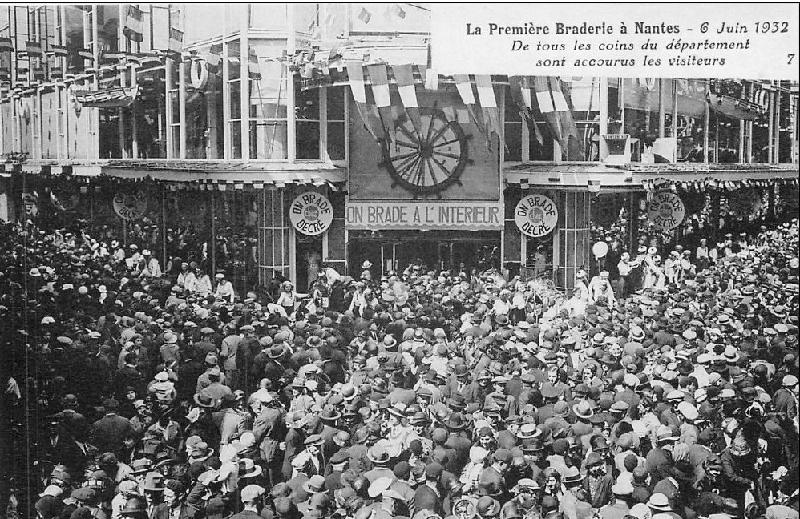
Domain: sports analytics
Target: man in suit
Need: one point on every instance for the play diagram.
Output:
(108, 433)
(430, 496)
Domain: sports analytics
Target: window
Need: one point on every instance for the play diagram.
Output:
(173, 108)
(108, 27)
(523, 144)
(307, 119)
(150, 114)
(204, 113)
(268, 104)
(512, 130)
(112, 133)
(336, 122)
(73, 19)
(235, 99)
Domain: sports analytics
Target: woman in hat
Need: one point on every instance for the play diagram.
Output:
(287, 298)
(203, 286)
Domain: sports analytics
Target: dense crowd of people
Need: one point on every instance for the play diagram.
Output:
(135, 392)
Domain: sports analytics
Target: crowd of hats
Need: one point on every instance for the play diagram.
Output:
(153, 402)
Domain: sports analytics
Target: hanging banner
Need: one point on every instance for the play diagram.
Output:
(423, 215)
(31, 204)
(130, 206)
(536, 215)
(666, 210)
(311, 213)
(119, 97)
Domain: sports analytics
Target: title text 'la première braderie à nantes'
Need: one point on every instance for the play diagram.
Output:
(678, 44)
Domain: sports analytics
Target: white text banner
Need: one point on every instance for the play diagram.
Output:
(725, 40)
(469, 216)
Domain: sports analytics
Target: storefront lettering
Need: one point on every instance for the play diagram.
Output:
(130, 206)
(536, 215)
(666, 210)
(311, 213)
(424, 215)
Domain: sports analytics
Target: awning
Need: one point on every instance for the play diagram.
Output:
(593, 176)
(222, 175)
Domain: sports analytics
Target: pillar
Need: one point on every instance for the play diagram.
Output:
(512, 237)
(334, 247)
(574, 229)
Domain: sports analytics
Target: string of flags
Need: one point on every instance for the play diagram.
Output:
(709, 183)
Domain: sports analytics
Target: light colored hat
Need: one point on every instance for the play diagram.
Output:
(688, 411)
(252, 492)
(659, 502)
(52, 490)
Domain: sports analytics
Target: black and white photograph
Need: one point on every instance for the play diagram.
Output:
(399, 261)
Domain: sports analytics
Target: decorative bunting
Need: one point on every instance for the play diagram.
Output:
(397, 10)
(464, 87)
(486, 98)
(521, 94)
(175, 42)
(553, 105)
(404, 75)
(369, 113)
(365, 16)
(382, 96)
(355, 75)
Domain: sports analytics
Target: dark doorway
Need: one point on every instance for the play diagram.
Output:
(308, 260)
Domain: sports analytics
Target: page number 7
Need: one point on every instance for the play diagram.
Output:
(791, 58)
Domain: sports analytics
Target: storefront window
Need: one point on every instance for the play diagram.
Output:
(336, 124)
(73, 19)
(268, 104)
(236, 243)
(723, 139)
(512, 130)
(173, 96)
(788, 114)
(610, 224)
(108, 27)
(204, 112)
(112, 133)
(307, 122)
(150, 113)
(539, 256)
(234, 99)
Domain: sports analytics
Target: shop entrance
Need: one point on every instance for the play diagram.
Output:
(394, 251)
(309, 260)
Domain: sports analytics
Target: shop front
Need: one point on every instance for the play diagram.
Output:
(425, 193)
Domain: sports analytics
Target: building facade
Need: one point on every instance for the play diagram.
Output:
(272, 140)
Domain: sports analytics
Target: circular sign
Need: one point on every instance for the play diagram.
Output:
(130, 206)
(666, 210)
(536, 215)
(311, 213)
(600, 249)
